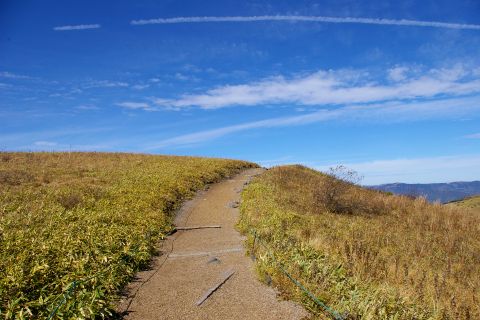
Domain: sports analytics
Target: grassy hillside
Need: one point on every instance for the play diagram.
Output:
(365, 253)
(472, 203)
(69, 216)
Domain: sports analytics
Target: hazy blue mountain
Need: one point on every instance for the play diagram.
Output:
(443, 192)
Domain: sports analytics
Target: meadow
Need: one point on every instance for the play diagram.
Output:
(92, 216)
(366, 254)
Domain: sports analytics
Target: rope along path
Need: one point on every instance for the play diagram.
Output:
(334, 314)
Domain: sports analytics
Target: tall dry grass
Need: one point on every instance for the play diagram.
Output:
(423, 258)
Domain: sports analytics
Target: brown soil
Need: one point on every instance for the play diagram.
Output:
(194, 261)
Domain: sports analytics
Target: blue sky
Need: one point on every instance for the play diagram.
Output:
(388, 88)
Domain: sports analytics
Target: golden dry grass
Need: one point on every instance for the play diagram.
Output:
(366, 253)
(471, 203)
(68, 216)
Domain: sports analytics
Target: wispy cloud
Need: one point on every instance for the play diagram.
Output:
(473, 136)
(202, 136)
(385, 112)
(140, 86)
(77, 27)
(333, 87)
(397, 73)
(181, 76)
(87, 107)
(9, 75)
(135, 105)
(45, 144)
(105, 84)
(416, 170)
(296, 18)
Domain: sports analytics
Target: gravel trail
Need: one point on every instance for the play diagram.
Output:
(194, 261)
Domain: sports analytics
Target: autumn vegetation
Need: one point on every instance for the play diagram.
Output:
(366, 254)
(470, 203)
(65, 217)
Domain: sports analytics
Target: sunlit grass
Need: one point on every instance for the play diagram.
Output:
(472, 203)
(67, 216)
(365, 253)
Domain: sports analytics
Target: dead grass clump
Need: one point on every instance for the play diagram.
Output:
(69, 200)
(15, 177)
(334, 192)
(5, 157)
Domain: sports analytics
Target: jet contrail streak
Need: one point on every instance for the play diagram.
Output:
(378, 21)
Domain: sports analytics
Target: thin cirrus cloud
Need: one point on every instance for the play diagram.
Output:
(385, 112)
(10, 75)
(105, 84)
(296, 18)
(77, 27)
(333, 87)
(134, 105)
(473, 136)
(45, 144)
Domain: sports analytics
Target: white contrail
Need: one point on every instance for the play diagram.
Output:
(77, 27)
(402, 22)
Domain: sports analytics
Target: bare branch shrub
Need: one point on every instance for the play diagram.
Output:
(334, 193)
(338, 192)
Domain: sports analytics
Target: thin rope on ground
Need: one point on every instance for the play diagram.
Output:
(132, 297)
(326, 308)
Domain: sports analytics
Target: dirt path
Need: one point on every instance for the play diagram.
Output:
(195, 260)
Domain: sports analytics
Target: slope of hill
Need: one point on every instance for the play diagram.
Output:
(362, 252)
(472, 203)
(441, 192)
(93, 216)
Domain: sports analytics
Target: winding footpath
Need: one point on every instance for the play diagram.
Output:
(194, 262)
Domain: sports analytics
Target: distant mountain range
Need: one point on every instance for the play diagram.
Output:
(443, 192)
